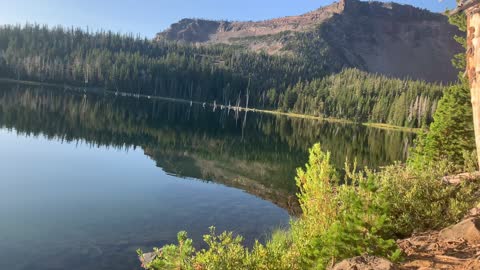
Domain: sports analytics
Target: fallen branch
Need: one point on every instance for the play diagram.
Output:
(464, 6)
(459, 178)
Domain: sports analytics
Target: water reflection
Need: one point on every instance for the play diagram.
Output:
(258, 154)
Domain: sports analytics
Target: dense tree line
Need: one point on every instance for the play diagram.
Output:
(225, 74)
(354, 94)
(131, 64)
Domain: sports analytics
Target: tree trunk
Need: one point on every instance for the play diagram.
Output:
(473, 68)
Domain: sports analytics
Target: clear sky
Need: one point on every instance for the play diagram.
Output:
(147, 17)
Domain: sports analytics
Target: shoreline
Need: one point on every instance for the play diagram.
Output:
(383, 126)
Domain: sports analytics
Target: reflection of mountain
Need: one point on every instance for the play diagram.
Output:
(232, 172)
(259, 158)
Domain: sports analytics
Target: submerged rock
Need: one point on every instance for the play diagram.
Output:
(147, 258)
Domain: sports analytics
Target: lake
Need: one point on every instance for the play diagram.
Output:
(86, 178)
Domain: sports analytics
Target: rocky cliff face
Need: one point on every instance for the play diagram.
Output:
(199, 30)
(387, 38)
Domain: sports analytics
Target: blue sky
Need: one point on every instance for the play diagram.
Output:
(147, 17)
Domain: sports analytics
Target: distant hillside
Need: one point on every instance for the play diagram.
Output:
(214, 74)
(388, 38)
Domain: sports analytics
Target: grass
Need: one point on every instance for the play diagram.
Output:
(392, 127)
(303, 116)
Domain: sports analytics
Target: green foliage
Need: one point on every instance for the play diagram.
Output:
(417, 200)
(174, 257)
(459, 61)
(215, 73)
(313, 47)
(339, 220)
(451, 135)
(357, 95)
(224, 252)
(362, 215)
(316, 193)
(131, 64)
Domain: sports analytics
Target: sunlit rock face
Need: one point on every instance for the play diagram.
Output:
(387, 38)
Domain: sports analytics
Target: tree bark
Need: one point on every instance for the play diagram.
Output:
(473, 68)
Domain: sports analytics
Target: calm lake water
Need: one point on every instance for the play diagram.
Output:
(87, 178)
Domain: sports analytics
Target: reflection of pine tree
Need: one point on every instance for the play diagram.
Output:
(276, 141)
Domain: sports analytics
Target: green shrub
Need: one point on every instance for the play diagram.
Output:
(451, 135)
(174, 257)
(340, 220)
(363, 214)
(224, 252)
(418, 200)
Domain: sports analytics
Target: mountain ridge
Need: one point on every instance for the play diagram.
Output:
(387, 38)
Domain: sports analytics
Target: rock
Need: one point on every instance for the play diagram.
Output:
(474, 212)
(364, 33)
(147, 258)
(471, 265)
(469, 230)
(365, 263)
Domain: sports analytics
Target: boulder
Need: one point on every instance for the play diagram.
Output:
(474, 212)
(468, 229)
(365, 263)
(147, 258)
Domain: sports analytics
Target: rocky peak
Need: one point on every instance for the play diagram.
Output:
(210, 31)
(203, 31)
(388, 38)
(348, 4)
(190, 30)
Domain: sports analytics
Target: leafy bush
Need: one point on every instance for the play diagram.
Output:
(340, 220)
(418, 200)
(224, 252)
(363, 214)
(172, 257)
